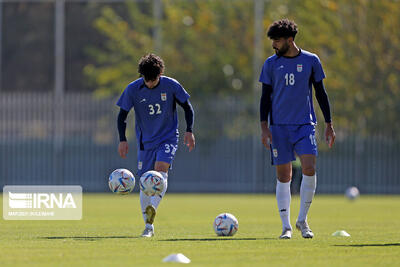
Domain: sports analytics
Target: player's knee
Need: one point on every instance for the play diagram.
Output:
(285, 178)
(161, 166)
(308, 170)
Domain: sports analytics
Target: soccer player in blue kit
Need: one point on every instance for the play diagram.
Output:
(154, 98)
(287, 78)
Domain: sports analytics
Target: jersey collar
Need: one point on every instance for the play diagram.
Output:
(295, 55)
(143, 85)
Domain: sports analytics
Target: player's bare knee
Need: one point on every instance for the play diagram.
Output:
(308, 170)
(284, 179)
(161, 166)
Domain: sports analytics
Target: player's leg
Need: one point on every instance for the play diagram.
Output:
(307, 191)
(164, 155)
(146, 159)
(282, 154)
(283, 197)
(162, 167)
(149, 207)
(306, 148)
(308, 184)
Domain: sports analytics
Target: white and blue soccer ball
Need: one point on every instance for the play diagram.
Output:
(352, 193)
(152, 183)
(226, 224)
(121, 181)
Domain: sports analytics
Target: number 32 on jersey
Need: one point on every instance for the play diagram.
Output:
(154, 109)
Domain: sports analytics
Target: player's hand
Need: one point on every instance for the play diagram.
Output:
(330, 135)
(123, 149)
(266, 137)
(189, 140)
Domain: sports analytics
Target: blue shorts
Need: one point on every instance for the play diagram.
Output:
(290, 139)
(164, 152)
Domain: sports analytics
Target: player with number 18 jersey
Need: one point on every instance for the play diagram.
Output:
(288, 119)
(292, 106)
(291, 80)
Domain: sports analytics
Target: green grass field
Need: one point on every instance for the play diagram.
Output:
(108, 233)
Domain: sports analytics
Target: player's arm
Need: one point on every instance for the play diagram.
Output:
(265, 108)
(323, 101)
(189, 140)
(123, 144)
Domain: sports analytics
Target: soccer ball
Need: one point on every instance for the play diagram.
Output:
(152, 183)
(352, 193)
(226, 224)
(121, 181)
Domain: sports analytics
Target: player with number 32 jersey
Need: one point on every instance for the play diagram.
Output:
(155, 110)
(154, 98)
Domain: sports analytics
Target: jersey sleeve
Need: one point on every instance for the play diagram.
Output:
(265, 76)
(180, 93)
(125, 101)
(318, 72)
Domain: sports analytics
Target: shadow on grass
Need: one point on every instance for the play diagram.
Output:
(87, 238)
(216, 239)
(95, 238)
(370, 245)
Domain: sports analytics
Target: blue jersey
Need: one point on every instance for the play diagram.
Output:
(291, 80)
(155, 109)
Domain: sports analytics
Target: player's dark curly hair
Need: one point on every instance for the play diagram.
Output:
(282, 28)
(150, 66)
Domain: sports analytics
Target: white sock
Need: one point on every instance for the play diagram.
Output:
(283, 198)
(307, 191)
(149, 226)
(144, 202)
(155, 201)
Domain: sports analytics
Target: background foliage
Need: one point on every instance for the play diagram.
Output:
(208, 46)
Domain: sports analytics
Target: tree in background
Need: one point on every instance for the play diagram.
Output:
(128, 33)
(360, 51)
(208, 46)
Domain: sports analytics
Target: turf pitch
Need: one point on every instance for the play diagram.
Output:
(108, 234)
